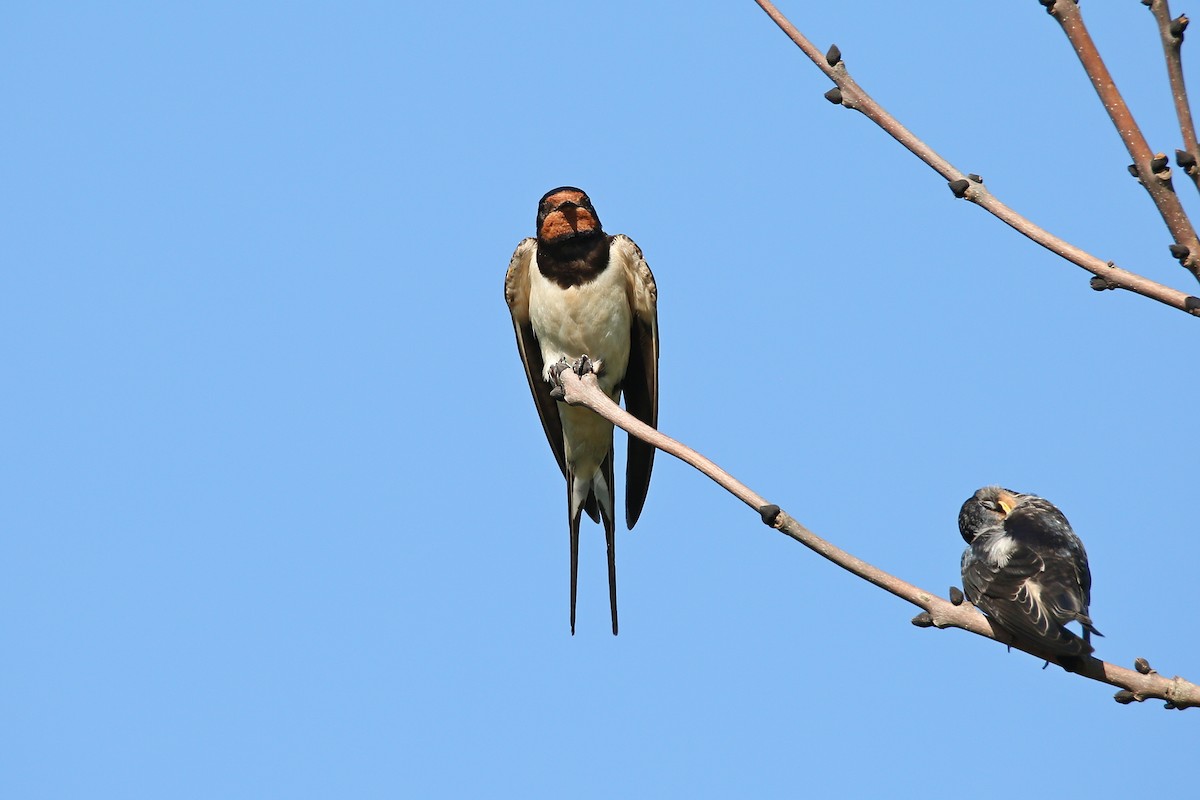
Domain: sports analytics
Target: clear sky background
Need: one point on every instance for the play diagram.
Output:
(279, 518)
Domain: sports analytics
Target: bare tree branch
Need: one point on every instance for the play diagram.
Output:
(1171, 33)
(1136, 685)
(1152, 170)
(970, 187)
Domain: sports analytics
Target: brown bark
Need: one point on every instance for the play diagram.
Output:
(970, 187)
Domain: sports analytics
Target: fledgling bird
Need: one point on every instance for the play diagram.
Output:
(575, 291)
(1026, 569)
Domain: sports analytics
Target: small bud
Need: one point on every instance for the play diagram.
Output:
(975, 178)
(834, 96)
(1179, 251)
(834, 56)
(1132, 170)
(1124, 697)
(1159, 162)
(769, 514)
(956, 596)
(1142, 666)
(923, 620)
(1169, 705)
(1147, 3)
(1185, 159)
(1100, 284)
(959, 187)
(1178, 26)
(1191, 304)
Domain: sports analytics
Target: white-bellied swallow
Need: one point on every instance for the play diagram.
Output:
(575, 291)
(1026, 569)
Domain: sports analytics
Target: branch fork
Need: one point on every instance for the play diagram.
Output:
(848, 93)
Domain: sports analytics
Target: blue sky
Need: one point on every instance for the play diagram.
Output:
(279, 517)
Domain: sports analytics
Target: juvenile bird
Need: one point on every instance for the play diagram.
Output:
(1026, 569)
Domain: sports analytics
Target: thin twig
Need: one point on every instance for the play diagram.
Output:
(1134, 685)
(1171, 33)
(1152, 169)
(969, 187)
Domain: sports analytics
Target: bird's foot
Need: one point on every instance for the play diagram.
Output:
(556, 371)
(585, 365)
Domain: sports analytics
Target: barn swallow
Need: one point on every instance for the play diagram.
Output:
(1026, 569)
(575, 291)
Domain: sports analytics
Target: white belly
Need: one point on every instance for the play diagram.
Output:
(593, 320)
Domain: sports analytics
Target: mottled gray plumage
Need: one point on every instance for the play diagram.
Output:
(1026, 569)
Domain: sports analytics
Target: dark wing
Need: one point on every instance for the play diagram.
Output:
(1017, 597)
(1066, 579)
(1062, 591)
(516, 293)
(640, 385)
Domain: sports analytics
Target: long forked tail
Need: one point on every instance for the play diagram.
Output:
(610, 537)
(574, 553)
(598, 494)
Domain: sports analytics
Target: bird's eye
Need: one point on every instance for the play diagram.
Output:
(990, 505)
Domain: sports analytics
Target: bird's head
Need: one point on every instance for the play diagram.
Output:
(987, 508)
(565, 214)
